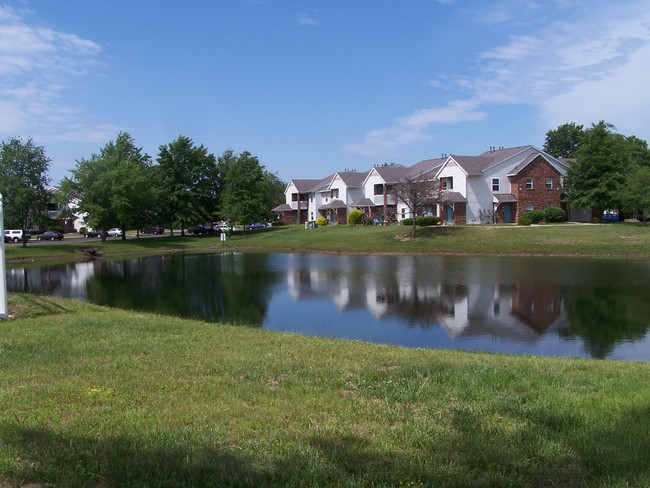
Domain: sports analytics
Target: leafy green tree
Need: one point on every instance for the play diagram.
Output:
(188, 180)
(274, 191)
(564, 141)
(604, 159)
(114, 187)
(23, 181)
(637, 194)
(245, 198)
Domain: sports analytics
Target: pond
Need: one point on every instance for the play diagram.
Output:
(520, 305)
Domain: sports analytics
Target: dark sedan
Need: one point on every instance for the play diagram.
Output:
(254, 226)
(50, 235)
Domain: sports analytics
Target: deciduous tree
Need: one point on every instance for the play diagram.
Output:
(245, 198)
(417, 193)
(188, 179)
(564, 141)
(604, 158)
(23, 181)
(113, 187)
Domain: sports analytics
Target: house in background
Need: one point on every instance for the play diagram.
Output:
(498, 186)
(66, 216)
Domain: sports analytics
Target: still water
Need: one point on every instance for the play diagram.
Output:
(522, 305)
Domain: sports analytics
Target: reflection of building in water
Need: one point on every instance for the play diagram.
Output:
(65, 281)
(423, 298)
(537, 306)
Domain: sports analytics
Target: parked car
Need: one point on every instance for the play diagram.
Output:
(92, 234)
(50, 235)
(114, 232)
(200, 230)
(223, 227)
(254, 226)
(7, 238)
(16, 235)
(150, 229)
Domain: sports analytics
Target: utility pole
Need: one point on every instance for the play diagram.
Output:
(4, 312)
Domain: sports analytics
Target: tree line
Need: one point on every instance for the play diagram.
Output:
(121, 186)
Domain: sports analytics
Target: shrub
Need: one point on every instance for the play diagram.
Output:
(408, 221)
(553, 214)
(83, 230)
(321, 221)
(525, 219)
(535, 216)
(355, 217)
(428, 220)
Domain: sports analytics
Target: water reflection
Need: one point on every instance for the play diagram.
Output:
(544, 306)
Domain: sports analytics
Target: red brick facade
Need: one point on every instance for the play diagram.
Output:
(535, 187)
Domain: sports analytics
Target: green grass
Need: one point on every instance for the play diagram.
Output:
(600, 240)
(92, 396)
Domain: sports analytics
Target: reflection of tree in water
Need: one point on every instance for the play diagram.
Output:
(607, 315)
(217, 288)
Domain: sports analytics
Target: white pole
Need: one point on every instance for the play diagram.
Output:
(4, 311)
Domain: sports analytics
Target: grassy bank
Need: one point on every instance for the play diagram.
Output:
(91, 396)
(602, 240)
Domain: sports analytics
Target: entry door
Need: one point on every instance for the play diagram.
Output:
(507, 213)
(450, 214)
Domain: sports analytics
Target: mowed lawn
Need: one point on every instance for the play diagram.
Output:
(97, 397)
(624, 240)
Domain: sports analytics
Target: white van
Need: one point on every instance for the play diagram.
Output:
(17, 235)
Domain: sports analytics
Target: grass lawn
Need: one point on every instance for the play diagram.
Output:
(622, 240)
(97, 397)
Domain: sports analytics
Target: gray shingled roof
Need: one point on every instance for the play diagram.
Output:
(427, 166)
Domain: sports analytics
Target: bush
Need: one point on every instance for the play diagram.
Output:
(321, 221)
(428, 220)
(553, 214)
(355, 217)
(525, 219)
(408, 221)
(535, 216)
(83, 230)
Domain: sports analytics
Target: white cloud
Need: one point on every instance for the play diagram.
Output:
(587, 67)
(38, 67)
(414, 128)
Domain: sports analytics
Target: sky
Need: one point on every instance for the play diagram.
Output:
(314, 87)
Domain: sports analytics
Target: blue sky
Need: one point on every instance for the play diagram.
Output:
(313, 87)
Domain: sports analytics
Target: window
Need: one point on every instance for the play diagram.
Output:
(403, 213)
(294, 197)
(529, 183)
(335, 193)
(549, 183)
(529, 207)
(495, 184)
(379, 189)
(447, 183)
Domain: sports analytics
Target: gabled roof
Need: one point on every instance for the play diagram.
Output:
(424, 167)
(504, 197)
(284, 207)
(364, 202)
(352, 179)
(477, 165)
(310, 186)
(390, 173)
(333, 204)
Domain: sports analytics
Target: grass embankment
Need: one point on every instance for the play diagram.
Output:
(601, 240)
(91, 396)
